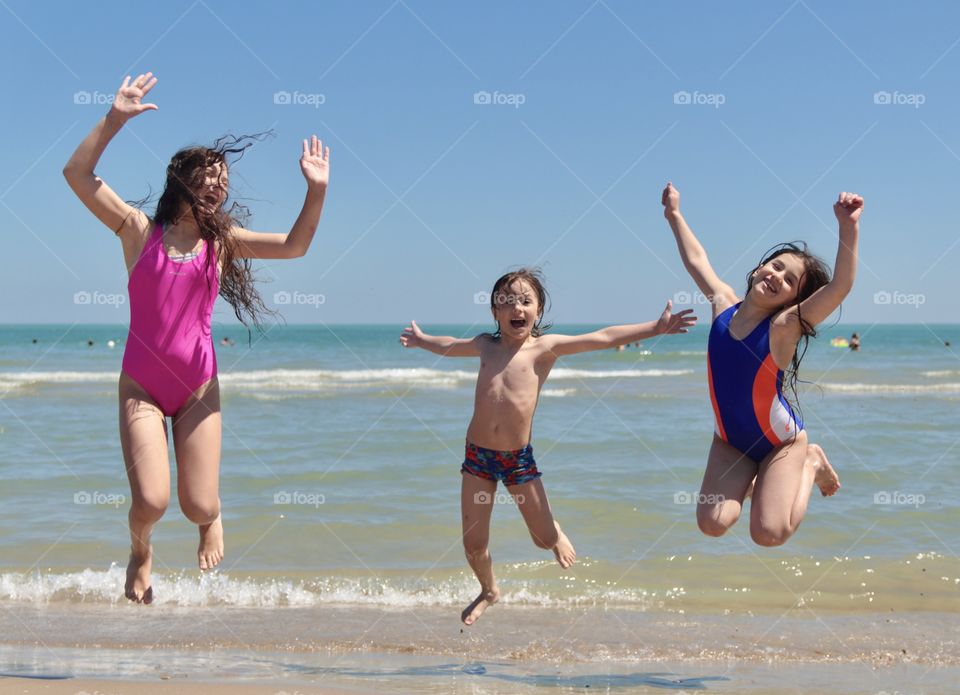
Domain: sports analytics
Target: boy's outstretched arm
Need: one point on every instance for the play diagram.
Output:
(447, 346)
(818, 306)
(315, 167)
(693, 255)
(96, 195)
(614, 336)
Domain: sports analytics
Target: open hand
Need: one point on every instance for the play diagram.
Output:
(675, 323)
(411, 336)
(848, 208)
(670, 200)
(315, 162)
(129, 99)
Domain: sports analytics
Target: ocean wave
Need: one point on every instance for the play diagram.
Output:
(893, 389)
(221, 589)
(306, 380)
(557, 393)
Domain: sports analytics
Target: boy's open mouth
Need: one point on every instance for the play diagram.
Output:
(518, 323)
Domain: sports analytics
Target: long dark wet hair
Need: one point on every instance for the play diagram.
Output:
(534, 278)
(186, 174)
(816, 274)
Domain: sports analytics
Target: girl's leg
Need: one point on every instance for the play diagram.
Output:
(143, 439)
(725, 484)
(783, 488)
(476, 506)
(531, 498)
(196, 440)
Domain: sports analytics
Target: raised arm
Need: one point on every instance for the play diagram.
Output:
(818, 306)
(447, 346)
(693, 255)
(614, 336)
(315, 166)
(97, 196)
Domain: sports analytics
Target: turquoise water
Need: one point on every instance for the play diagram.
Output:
(340, 477)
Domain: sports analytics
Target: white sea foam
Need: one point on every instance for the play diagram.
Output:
(557, 393)
(308, 380)
(892, 389)
(215, 588)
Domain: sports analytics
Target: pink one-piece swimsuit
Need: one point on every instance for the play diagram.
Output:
(169, 347)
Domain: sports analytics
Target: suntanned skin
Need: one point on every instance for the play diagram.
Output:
(513, 368)
(780, 485)
(197, 426)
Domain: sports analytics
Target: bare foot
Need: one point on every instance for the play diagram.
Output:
(564, 551)
(137, 587)
(210, 552)
(825, 477)
(486, 599)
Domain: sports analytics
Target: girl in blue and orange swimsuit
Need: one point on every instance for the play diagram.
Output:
(760, 440)
(192, 250)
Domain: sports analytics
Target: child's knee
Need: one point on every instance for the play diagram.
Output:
(200, 511)
(475, 546)
(148, 508)
(769, 536)
(712, 522)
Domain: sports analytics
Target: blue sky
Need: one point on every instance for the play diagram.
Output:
(433, 196)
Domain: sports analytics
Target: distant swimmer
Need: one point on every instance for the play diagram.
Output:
(855, 342)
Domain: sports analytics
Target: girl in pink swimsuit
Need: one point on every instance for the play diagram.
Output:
(192, 250)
